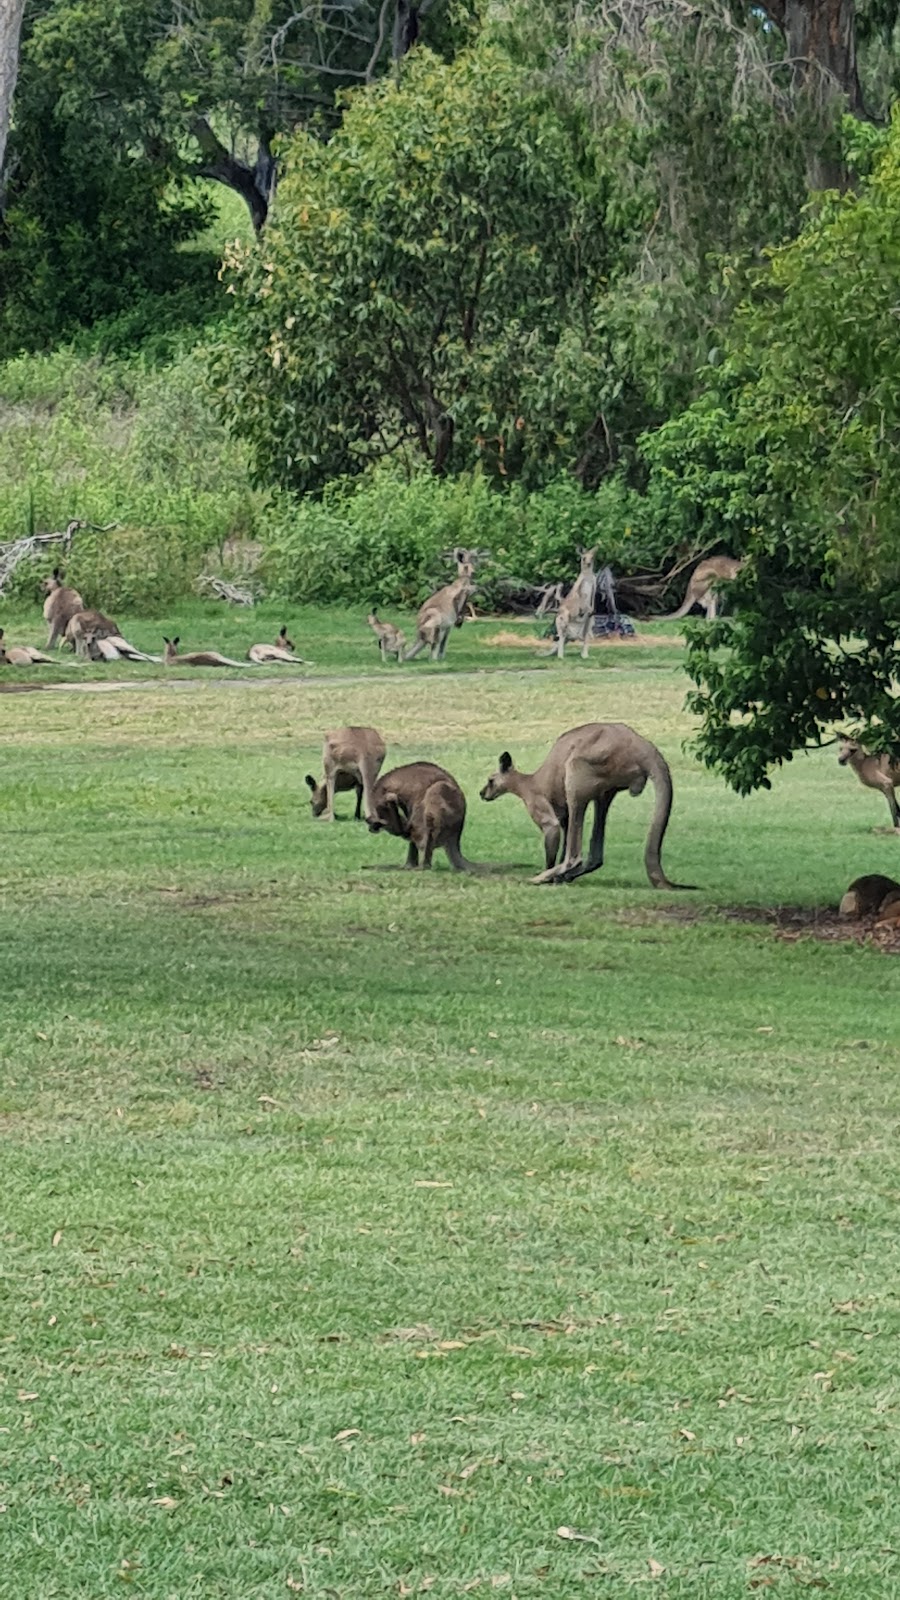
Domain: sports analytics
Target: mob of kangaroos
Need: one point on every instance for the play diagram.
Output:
(422, 802)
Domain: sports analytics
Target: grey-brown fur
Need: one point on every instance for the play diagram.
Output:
(589, 765)
(424, 804)
(352, 759)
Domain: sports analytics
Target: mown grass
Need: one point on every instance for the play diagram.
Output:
(364, 1230)
(332, 641)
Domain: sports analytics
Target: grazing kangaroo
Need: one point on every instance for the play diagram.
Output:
(352, 758)
(874, 772)
(391, 642)
(60, 606)
(282, 650)
(575, 617)
(21, 655)
(195, 658)
(701, 591)
(444, 611)
(591, 763)
(424, 805)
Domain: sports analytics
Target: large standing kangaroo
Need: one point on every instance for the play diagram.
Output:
(590, 764)
(443, 612)
(575, 617)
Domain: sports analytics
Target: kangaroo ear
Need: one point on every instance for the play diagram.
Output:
(165, 640)
(310, 782)
(56, 572)
(283, 632)
(506, 761)
(177, 640)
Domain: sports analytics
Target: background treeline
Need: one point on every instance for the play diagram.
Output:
(346, 283)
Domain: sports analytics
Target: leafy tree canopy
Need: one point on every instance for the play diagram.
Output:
(433, 281)
(793, 457)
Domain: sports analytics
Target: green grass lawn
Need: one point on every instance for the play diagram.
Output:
(333, 641)
(366, 1233)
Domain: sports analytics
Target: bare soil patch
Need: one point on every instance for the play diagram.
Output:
(515, 641)
(788, 923)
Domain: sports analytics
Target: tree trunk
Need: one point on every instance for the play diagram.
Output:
(255, 184)
(821, 41)
(10, 29)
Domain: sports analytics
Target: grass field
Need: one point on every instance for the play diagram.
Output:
(368, 1233)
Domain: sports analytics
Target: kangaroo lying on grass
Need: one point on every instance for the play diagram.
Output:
(95, 637)
(195, 658)
(60, 606)
(352, 758)
(424, 805)
(701, 590)
(21, 655)
(444, 611)
(592, 763)
(575, 617)
(391, 642)
(873, 772)
(282, 650)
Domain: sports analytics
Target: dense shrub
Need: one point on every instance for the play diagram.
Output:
(111, 442)
(381, 537)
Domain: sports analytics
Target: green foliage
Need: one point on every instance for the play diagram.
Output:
(797, 462)
(112, 442)
(383, 537)
(432, 284)
(92, 218)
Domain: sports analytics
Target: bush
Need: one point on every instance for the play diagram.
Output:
(380, 538)
(110, 442)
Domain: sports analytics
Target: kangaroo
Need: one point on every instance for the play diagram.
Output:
(391, 642)
(575, 617)
(95, 637)
(195, 658)
(60, 605)
(591, 763)
(873, 772)
(21, 655)
(444, 611)
(701, 591)
(352, 758)
(282, 650)
(424, 805)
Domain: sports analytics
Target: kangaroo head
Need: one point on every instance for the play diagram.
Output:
(54, 582)
(498, 783)
(849, 749)
(587, 559)
(172, 647)
(283, 642)
(318, 795)
(4, 658)
(390, 815)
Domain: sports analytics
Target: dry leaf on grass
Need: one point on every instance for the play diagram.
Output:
(430, 1183)
(572, 1533)
(26, 1394)
(165, 1502)
(56, 1237)
(656, 1568)
(292, 1583)
(347, 1433)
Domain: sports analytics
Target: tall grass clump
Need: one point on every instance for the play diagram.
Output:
(120, 440)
